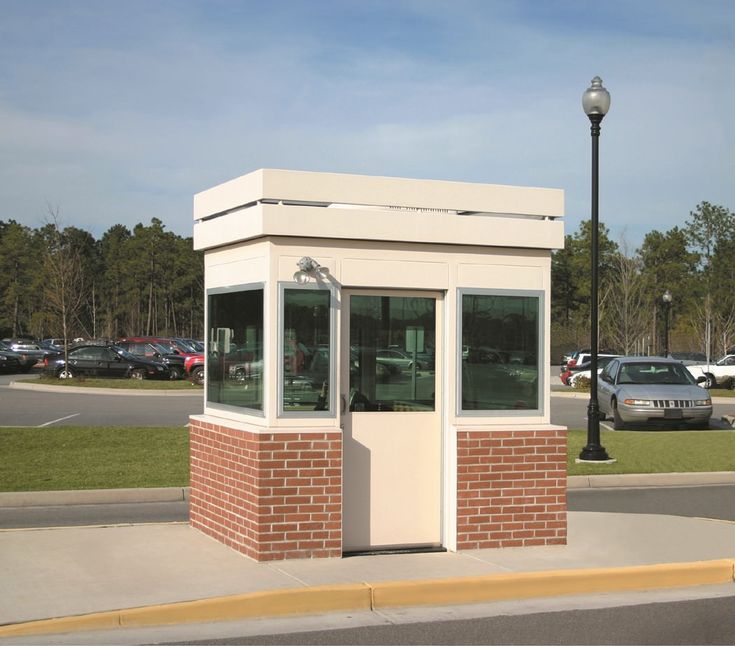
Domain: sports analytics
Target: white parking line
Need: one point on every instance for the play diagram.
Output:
(61, 419)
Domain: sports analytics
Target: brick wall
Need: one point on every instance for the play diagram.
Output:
(511, 488)
(269, 496)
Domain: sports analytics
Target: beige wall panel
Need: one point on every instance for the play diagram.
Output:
(228, 229)
(500, 276)
(237, 272)
(397, 274)
(372, 190)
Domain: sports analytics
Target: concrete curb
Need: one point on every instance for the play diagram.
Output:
(92, 497)
(175, 494)
(375, 596)
(128, 392)
(635, 480)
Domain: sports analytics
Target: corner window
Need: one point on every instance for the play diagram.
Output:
(306, 351)
(235, 348)
(500, 351)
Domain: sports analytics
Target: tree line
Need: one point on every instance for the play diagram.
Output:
(61, 282)
(695, 263)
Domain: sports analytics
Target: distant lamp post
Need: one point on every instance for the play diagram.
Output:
(667, 298)
(596, 103)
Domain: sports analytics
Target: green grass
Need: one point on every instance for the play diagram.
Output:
(81, 457)
(656, 451)
(133, 384)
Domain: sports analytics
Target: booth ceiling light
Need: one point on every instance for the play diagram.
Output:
(308, 268)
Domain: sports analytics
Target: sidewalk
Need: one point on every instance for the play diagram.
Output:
(98, 578)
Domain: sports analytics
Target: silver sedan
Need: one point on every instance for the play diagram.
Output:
(652, 389)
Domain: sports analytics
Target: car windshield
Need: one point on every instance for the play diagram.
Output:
(161, 349)
(125, 354)
(652, 373)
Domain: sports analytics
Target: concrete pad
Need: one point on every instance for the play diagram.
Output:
(132, 575)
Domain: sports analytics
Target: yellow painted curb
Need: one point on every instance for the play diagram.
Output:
(372, 596)
(292, 601)
(524, 585)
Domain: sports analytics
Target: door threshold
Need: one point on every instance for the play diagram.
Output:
(381, 551)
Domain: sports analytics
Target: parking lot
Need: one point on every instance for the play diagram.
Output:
(37, 408)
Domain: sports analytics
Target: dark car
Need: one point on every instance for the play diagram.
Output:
(9, 362)
(25, 361)
(193, 361)
(103, 361)
(156, 352)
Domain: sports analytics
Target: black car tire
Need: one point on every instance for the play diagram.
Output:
(618, 423)
(137, 373)
(66, 373)
(197, 375)
(175, 373)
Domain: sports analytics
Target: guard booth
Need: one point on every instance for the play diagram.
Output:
(377, 366)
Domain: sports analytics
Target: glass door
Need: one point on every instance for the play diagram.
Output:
(392, 424)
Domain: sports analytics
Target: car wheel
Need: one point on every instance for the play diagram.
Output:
(66, 374)
(197, 375)
(175, 373)
(618, 423)
(709, 380)
(137, 373)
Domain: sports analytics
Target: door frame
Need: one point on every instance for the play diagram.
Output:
(440, 398)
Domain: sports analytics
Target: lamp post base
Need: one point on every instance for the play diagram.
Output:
(594, 453)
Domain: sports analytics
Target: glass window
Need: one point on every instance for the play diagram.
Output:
(235, 348)
(306, 350)
(501, 343)
(392, 345)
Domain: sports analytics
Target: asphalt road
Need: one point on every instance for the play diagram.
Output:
(697, 621)
(40, 409)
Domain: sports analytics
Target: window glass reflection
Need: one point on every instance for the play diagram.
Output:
(306, 350)
(392, 353)
(500, 352)
(235, 349)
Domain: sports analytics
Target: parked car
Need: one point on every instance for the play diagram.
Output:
(395, 360)
(9, 362)
(652, 389)
(584, 371)
(156, 352)
(582, 363)
(571, 356)
(193, 361)
(25, 361)
(103, 361)
(689, 358)
(29, 348)
(720, 373)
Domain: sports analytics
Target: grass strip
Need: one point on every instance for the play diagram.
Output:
(656, 451)
(128, 384)
(84, 457)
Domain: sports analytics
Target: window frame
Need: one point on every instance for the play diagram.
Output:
(241, 410)
(539, 410)
(331, 411)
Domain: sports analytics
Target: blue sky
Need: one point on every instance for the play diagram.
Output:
(117, 112)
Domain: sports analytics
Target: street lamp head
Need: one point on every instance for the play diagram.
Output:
(667, 297)
(596, 99)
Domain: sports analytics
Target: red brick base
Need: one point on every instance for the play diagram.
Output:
(271, 495)
(511, 488)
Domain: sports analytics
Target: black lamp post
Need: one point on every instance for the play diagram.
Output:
(596, 103)
(667, 298)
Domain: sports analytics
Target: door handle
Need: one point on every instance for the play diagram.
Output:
(343, 406)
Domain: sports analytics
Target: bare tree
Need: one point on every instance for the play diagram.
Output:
(64, 286)
(623, 303)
